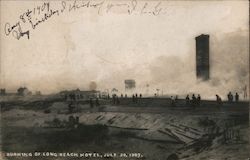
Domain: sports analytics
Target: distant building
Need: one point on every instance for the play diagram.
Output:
(2, 92)
(129, 84)
(202, 57)
(23, 91)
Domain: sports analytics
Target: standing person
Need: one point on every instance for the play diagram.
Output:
(140, 95)
(193, 100)
(136, 98)
(230, 97)
(172, 101)
(218, 100)
(187, 100)
(133, 98)
(176, 97)
(198, 100)
(193, 97)
(236, 97)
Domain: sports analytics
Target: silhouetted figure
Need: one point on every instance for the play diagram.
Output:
(126, 95)
(91, 103)
(97, 102)
(193, 97)
(218, 100)
(121, 95)
(193, 100)
(176, 97)
(140, 95)
(187, 100)
(155, 95)
(136, 98)
(236, 97)
(230, 97)
(133, 98)
(198, 100)
(172, 101)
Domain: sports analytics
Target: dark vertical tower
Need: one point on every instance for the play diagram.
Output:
(202, 57)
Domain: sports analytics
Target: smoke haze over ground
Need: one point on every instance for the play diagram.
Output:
(229, 70)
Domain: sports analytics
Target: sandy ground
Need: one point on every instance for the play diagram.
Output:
(156, 132)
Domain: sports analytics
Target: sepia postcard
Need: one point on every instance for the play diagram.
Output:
(124, 80)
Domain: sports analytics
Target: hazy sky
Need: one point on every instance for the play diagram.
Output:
(71, 50)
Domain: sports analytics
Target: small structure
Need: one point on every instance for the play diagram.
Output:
(129, 84)
(23, 91)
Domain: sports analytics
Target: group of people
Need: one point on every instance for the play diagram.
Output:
(116, 100)
(230, 97)
(194, 101)
(135, 97)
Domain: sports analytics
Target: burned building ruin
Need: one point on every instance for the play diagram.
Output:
(202, 57)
